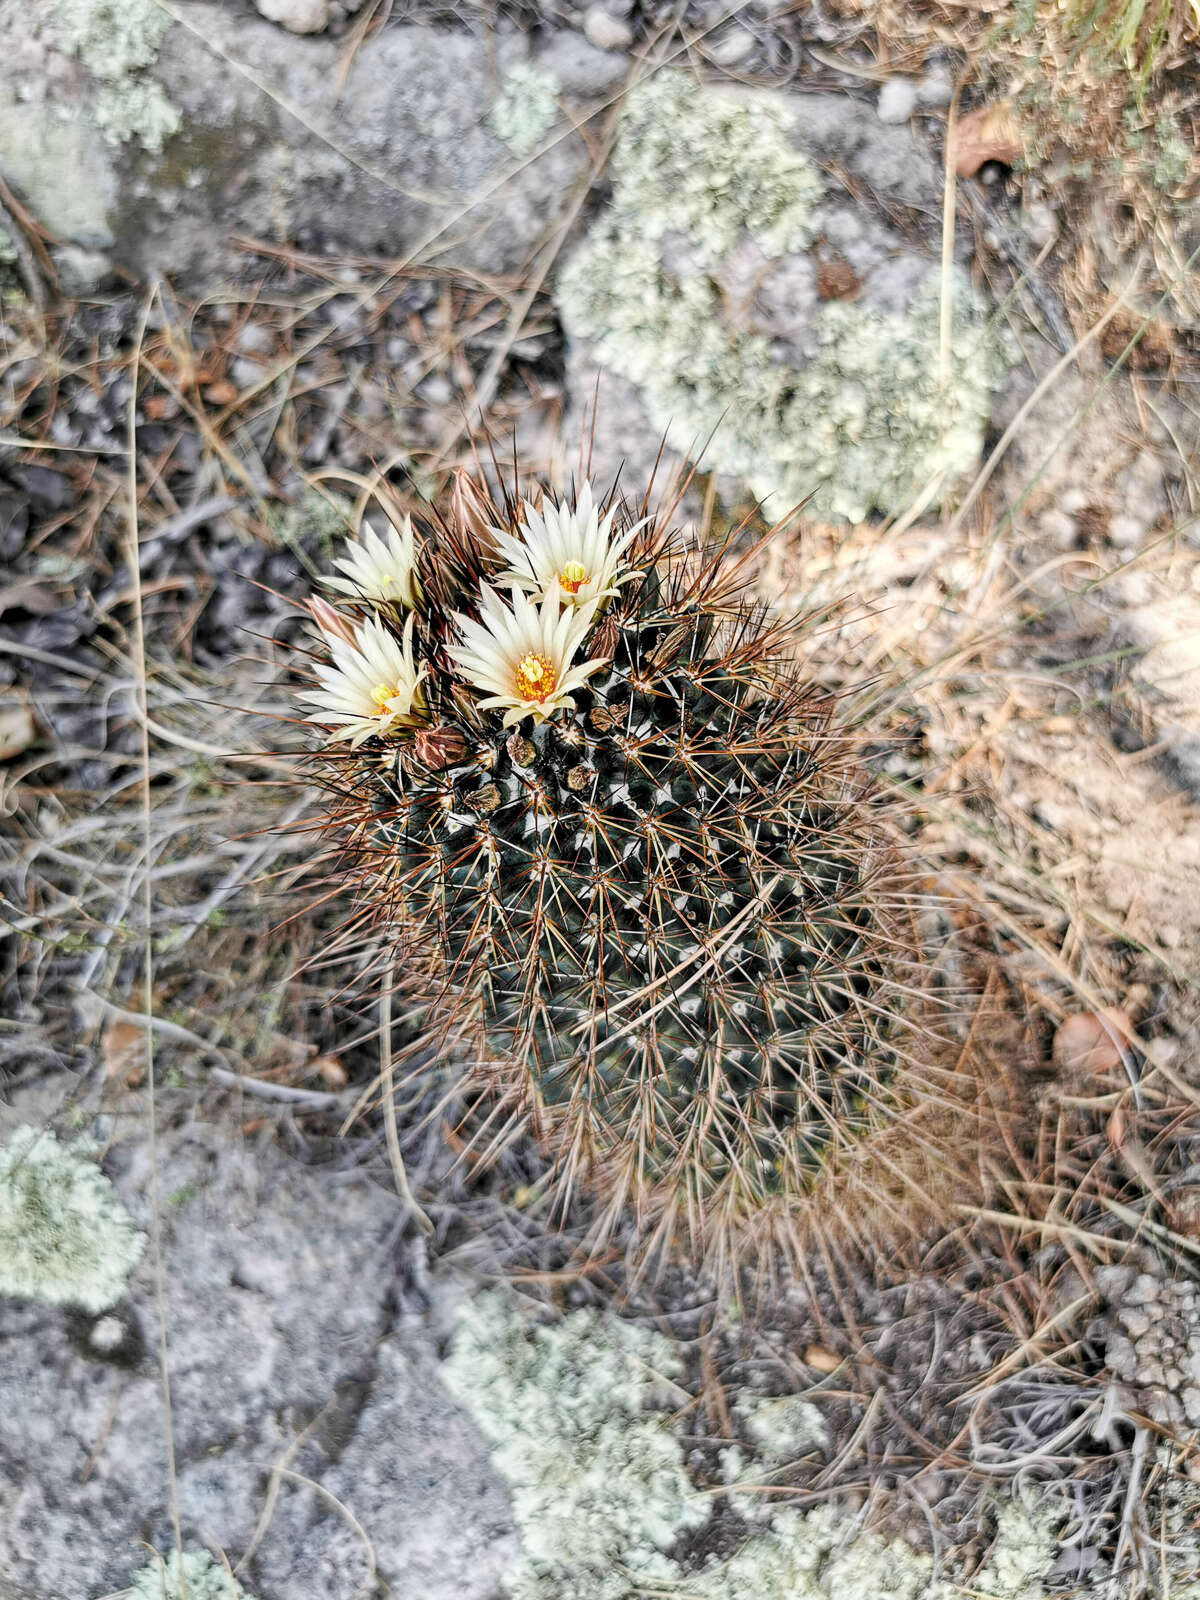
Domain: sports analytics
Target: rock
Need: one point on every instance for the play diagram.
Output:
(80, 271)
(1113, 1281)
(1183, 758)
(297, 16)
(936, 88)
(1126, 533)
(292, 1304)
(702, 294)
(731, 46)
(1135, 1322)
(605, 30)
(1144, 1290)
(412, 123)
(1059, 528)
(897, 101)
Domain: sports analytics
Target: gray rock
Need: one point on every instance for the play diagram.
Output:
(731, 46)
(290, 1309)
(1113, 1281)
(1134, 1321)
(936, 88)
(80, 271)
(297, 16)
(393, 167)
(580, 68)
(897, 101)
(1059, 528)
(1144, 1290)
(606, 30)
(1126, 533)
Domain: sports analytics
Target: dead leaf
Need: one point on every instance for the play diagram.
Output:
(331, 1072)
(822, 1360)
(122, 1050)
(29, 597)
(992, 133)
(17, 729)
(1089, 1044)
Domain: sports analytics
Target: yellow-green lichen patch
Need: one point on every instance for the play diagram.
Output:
(65, 1237)
(863, 412)
(118, 41)
(526, 107)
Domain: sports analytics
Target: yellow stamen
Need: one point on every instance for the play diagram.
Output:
(536, 676)
(381, 694)
(573, 577)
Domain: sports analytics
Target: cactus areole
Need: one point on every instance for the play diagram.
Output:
(627, 839)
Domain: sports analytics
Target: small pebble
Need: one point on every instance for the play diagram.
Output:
(731, 47)
(1144, 1290)
(107, 1335)
(1059, 528)
(297, 16)
(897, 101)
(606, 31)
(1136, 1322)
(1126, 532)
(936, 88)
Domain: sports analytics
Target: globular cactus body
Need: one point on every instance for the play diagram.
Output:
(667, 906)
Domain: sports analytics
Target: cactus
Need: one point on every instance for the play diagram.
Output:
(598, 806)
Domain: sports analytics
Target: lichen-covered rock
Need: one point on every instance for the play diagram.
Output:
(194, 1575)
(526, 107)
(596, 1474)
(574, 1410)
(292, 1324)
(118, 41)
(65, 1237)
(155, 141)
(1152, 1344)
(699, 287)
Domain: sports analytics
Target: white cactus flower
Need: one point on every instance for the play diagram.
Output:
(380, 568)
(570, 553)
(523, 656)
(372, 686)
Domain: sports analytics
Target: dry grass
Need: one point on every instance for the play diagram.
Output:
(945, 623)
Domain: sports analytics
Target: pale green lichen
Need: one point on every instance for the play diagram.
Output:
(779, 1431)
(195, 1576)
(599, 1490)
(712, 164)
(821, 1556)
(64, 1236)
(118, 40)
(868, 422)
(525, 108)
(601, 1497)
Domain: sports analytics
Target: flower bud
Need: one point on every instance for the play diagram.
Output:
(331, 623)
(604, 640)
(471, 509)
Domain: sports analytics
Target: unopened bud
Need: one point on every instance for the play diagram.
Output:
(439, 747)
(604, 640)
(331, 623)
(471, 510)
